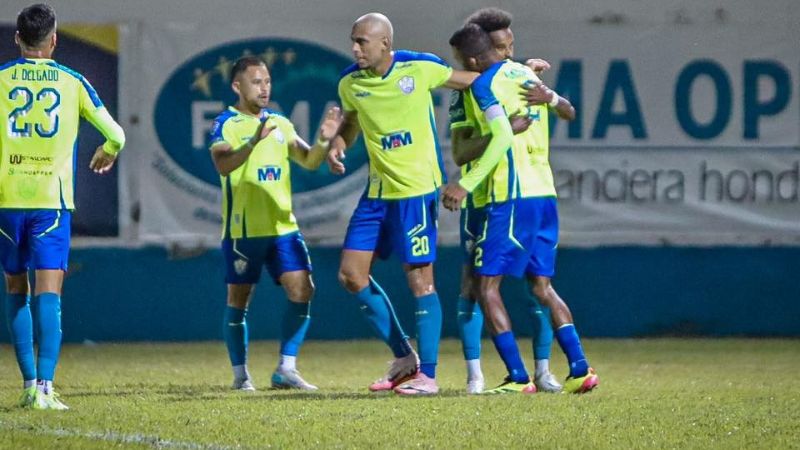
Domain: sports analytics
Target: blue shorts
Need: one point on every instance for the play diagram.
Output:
(472, 221)
(38, 236)
(245, 257)
(406, 226)
(521, 237)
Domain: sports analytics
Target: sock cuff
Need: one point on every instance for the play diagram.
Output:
(504, 338)
(18, 299)
(235, 314)
(48, 296)
(428, 298)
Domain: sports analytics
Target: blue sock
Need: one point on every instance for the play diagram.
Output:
(294, 326)
(429, 332)
(542, 331)
(234, 329)
(49, 326)
(470, 324)
(380, 314)
(20, 327)
(571, 344)
(509, 352)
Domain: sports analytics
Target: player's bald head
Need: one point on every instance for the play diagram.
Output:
(375, 24)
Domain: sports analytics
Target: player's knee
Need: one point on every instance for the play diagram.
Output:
(17, 284)
(544, 291)
(353, 282)
(301, 294)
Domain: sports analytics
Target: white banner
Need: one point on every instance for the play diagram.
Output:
(686, 134)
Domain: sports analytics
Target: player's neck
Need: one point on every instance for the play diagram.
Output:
(37, 53)
(249, 110)
(383, 67)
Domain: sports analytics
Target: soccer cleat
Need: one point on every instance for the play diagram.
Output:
(420, 384)
(243, 384)
(580, 385)
(290, 379)
(475, 386)
(48, 400)
(28, 397)
(509, 387)
(400, 371)
(546, 382)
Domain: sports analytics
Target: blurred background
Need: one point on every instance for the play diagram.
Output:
(679, 181)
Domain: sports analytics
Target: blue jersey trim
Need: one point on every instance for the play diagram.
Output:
(439, 158)
(482, 87)
(13, 63)
(219, 123)
(350, 69)
(89, 89)
(229, 197)
(407, 55)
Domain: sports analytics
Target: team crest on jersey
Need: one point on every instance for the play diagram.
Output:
(240, 266)
(406, 85)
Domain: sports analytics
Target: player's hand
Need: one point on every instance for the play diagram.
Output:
(453, 195)
(335, 159)
(330, 124)
(538, 65)
(538, 94)
(102, 162)
(262, 131)
(520, 122)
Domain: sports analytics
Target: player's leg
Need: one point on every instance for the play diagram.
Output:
(540, 270)
(412, 233)
(49, 237)
(428, 317)
(498, 324)
(501, 251)
(470, 324)
(243, 259)
(542, 342)
(364, 241)
(469, 317)
(15, 257)
(290, 266)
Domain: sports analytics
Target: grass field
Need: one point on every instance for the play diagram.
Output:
(654, 393)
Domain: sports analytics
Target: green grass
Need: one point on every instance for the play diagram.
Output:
(668, 393)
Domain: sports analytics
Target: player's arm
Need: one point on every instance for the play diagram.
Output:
(540, 94)
(227, 159)
(469, 145)
(501, 138)
(105, 155)
(460, 79)
(347, 134)
(311, 157)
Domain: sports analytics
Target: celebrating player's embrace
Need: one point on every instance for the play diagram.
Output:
(499, 119)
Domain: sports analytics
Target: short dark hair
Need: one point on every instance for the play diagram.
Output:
(243, 63)
(471, 41)
(35, 23)
(491, 19)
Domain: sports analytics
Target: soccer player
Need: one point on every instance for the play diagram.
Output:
(44, 102)
(251, 147)
(386, 95)
(467, 145)
(520, 232)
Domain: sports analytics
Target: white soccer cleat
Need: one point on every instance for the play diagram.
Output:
(546, 382)
(48, 400)
(475, 386)
(400, 370)
(243, 384)
(290, 379)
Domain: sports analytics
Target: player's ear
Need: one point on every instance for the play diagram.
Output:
(16, 38)
(235, 86)
(53, 40)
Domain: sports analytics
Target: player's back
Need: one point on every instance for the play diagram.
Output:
(528, 173)
(43, 101)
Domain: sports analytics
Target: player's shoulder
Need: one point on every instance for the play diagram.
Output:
(409, 56)
(279, 117)
(515, 71)
(69, 71)
(9, 64)
(351, 73)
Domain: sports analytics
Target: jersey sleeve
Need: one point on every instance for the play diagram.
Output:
(482, 92)
(92, 109)
(436, 70)
(217, 132)
(344, 95)
(288, 130)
